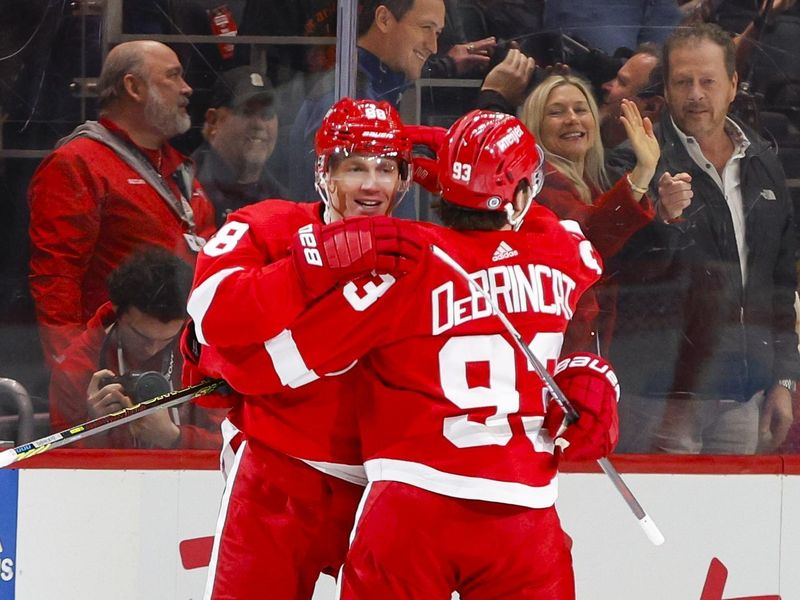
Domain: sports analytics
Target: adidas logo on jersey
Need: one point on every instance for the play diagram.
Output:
(503, 252)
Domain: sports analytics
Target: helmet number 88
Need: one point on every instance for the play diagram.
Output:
(462, 171)
(373, 112)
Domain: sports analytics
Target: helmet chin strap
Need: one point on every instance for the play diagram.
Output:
(330, 212)
(516, 222)
(327, 200)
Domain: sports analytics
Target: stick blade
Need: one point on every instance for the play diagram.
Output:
(7, 457)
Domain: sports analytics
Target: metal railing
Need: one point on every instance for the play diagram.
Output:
(13, 391)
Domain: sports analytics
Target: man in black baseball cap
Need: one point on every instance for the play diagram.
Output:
(242, 86)
(241, 128)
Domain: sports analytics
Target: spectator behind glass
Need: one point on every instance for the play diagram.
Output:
(705, 344)
(111, 187)
(563, 116)
(318, 18)
(632, 79)
(395, 38)
(240, 132)
(136, 331)
(612, 25)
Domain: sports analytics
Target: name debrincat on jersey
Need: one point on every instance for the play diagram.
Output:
(514, 288)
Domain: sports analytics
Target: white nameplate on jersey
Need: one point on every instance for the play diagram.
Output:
(137, 182)
(540, 289)
(195, 242)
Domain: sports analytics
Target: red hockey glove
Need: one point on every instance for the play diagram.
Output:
(425, 174)
(325, 255)
(191, 372)
(424, 166)
(590, 384)
(424, 135)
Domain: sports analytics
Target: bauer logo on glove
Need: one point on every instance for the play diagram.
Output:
(592, 362)
(329, 255)
(592, 387)
(308, 241)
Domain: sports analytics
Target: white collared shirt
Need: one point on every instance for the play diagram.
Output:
(730, 183)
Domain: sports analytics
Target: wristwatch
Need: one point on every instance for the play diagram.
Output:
(789, 384)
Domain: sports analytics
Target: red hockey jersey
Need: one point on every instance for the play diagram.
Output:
(453, 408)
(245, 292)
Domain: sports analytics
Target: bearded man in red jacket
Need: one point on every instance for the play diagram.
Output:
(111, 187)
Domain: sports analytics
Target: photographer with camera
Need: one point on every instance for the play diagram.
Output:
(128, 354)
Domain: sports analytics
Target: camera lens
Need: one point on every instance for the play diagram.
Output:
(149, 385)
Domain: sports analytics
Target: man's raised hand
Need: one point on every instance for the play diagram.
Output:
(674, 195)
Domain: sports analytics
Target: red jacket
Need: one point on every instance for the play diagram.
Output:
(89, 210)
(199, 426)
(612, 218)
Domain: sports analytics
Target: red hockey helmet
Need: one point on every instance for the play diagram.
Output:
(366, 127)
(485, 156)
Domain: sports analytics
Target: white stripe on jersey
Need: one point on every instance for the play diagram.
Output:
(350, 473)
(201, 299)
(287, 360)
(227, 455)
(462, 486)
(223, 514)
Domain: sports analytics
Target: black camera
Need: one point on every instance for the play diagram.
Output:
(140, 385)
(590, 63)
(593, 64)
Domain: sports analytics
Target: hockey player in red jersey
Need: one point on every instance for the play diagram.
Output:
(293, 487)
(462, 472)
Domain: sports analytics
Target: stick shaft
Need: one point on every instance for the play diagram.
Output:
(571, 414)
(569, 410)
(100, 424)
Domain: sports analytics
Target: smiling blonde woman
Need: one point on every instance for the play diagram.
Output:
(562, 114)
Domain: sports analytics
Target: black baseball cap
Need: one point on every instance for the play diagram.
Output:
(240, 86)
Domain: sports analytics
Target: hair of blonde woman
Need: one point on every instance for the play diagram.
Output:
(533, 112)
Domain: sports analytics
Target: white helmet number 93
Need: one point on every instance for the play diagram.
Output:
(462, 171)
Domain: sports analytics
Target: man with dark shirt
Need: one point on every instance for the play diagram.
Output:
(395, 38)
(241, 129)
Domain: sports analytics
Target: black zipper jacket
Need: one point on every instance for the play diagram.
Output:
(686, 326)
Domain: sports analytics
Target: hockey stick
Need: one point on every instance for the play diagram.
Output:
(570, 414)
(95, 426)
